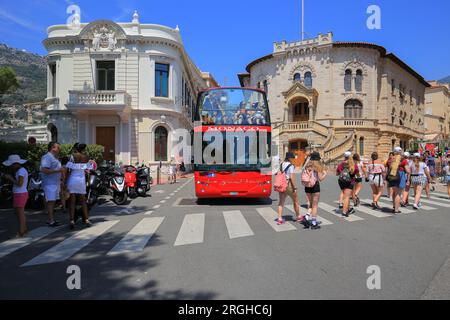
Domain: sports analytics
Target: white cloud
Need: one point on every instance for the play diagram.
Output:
(19, 21)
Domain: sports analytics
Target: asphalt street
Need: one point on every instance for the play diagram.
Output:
(168, 246)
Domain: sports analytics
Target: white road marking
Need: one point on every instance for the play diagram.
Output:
(163, 201)
(303, 211)
(156, 206)
(270, 216)
(192, 230)
(159, 191)
(138, 237)
(389, 206)
(236, 224)
(431, 202)
(149, 212)
(372, 212)
(72, 245)
(439, 194)
(440, 199)
(12, 245)
(167, 198)
(172, 194)
(337, 212)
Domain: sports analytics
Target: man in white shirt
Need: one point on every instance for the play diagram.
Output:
(51, 180)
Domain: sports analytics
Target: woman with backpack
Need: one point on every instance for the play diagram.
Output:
(375, 176)
(285, 185)
(312, 175)
(420, 176)
(396, 173)
(347, 171)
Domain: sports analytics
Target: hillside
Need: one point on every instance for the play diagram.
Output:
(445, 80)
(31, 70)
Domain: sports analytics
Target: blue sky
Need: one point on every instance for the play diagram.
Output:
(222, 37)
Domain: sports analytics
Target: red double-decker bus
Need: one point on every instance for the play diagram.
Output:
(232, 144)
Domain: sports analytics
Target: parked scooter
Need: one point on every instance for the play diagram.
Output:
(116, 185)
(36, 196)
(131, 181)
(144, 180)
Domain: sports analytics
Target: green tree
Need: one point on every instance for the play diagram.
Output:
(8, 80)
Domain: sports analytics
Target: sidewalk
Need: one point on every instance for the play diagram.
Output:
(165, 179)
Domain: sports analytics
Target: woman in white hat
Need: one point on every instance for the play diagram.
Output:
(20, 192)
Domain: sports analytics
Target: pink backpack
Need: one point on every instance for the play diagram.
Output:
(308, 178)
(281, 182)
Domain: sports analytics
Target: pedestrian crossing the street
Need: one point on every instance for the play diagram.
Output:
(190, 229)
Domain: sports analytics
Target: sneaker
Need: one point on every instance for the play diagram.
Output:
(419, 204)
(345, 214)
(53, 223)
(305, 223)
(415, 207)
(351, 211)
(280, 221)
(341, 206)
(315, 226)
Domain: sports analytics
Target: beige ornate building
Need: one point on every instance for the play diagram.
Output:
(437, 111)
(126, 86)
(339, 96)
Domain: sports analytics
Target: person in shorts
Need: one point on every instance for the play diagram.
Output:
(420, 175)
(51, 180)
(349, 169)
(288, 168)
(375, 174)
(20, 192)
(313, 194)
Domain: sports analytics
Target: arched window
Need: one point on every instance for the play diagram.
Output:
(361, 146)
(266, 88)
(161, 144)
(358, 80)
(308, 80)
(53, 132)
(348, 80)
(297, 77)
(353, 109)
(258, 85)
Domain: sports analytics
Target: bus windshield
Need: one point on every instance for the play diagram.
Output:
(233, 106)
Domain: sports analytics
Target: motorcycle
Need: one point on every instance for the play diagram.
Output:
(36, 197)
(130, 181)
(94, 188)
(114, 182)
(144, 180)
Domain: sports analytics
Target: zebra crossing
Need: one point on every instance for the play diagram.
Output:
(191, 231)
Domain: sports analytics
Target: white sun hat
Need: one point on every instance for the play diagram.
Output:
(14, 158)
(398, 149)
(347, 154)
(407, 154)
(417, 155)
